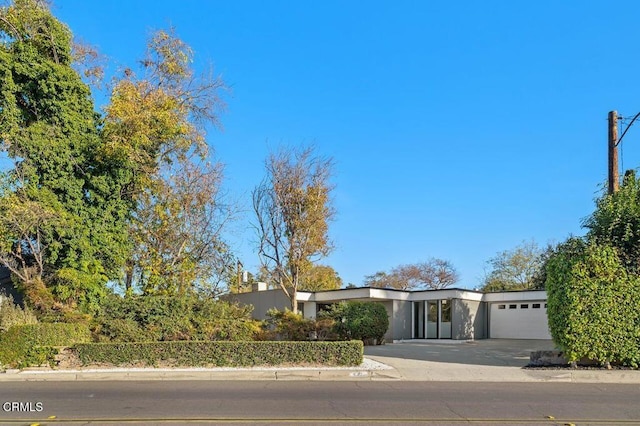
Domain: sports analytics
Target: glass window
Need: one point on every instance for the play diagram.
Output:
(524, 306)
(501, 306)
(536, 306)
(432, 314)
(446, 311)
(513, 306)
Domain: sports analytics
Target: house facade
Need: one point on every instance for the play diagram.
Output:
(457, 314)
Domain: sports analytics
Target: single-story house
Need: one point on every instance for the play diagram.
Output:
(451, 313)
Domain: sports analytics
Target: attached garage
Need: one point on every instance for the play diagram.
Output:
(518, 319)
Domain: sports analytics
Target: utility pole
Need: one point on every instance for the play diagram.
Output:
(614, 179)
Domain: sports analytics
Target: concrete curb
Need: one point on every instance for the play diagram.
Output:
(432, 373)
(151, 374)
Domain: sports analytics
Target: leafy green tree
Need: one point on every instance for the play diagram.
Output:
(521, 268)
(85, 184)
(616, 222)
(49, 128)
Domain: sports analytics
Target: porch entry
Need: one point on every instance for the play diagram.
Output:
(432, 319)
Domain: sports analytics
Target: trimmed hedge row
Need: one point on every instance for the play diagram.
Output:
(34, 344)
(222, 354)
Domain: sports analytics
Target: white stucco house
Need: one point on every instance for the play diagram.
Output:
(453, 313)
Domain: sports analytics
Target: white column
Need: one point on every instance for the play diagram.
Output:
(310, 310)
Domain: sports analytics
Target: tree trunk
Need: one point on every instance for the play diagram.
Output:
(128, 279)
(294, 301)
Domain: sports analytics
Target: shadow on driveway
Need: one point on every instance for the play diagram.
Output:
(496, 352)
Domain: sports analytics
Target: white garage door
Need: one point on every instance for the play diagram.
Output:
(519, 320)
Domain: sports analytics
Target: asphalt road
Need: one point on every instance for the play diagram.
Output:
(278, 402)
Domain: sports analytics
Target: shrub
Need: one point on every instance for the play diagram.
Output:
(286, 325)
(12, 314)
(171, 318)
(34, 344)
(221, 354)
(593, 304)
(359, 320)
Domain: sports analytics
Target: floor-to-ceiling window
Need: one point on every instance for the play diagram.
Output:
(418, 320)
(445, 319)
(432, 319)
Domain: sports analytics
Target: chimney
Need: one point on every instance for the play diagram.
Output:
(259, 286)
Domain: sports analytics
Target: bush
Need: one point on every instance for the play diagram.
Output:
(12, 314)
(222, 354)
(286, 325)
(34, 344)
(359, 320)
(593, 304)
(171, 318)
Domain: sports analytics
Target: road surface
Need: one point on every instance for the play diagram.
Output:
(318, 402)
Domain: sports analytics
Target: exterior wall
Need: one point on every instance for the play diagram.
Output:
(388, 305)
(400, 321)
(262, 301)
(515, 296)
(468, 320)
(471, 311)
(310, 309)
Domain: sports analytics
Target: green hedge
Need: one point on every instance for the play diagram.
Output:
(593, 304)
(221, 354)
(34, 344)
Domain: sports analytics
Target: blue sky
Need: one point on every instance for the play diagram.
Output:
(459, 129)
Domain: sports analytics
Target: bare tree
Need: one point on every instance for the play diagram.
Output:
(433, 274)
(293, 210)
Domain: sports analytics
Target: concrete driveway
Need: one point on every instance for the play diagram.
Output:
(493, 360)
(489, 352)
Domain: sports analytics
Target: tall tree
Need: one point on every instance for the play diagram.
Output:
(521, 268)
(433, 274)
(293, 210)
(49, 128)
(86, 175)
(152, 122)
